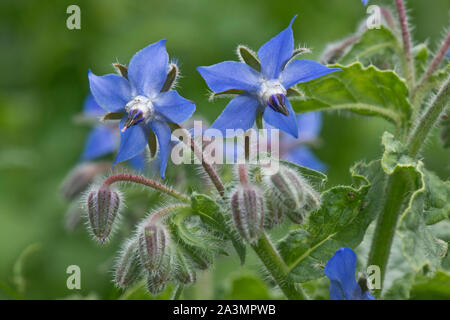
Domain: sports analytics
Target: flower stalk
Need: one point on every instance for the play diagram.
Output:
(431, 69)
(125, 177)
(406, 36)
(427, 120)
(271, 259)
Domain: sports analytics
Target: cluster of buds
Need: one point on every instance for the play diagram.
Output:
(289, 194)
(286, 194)
(157, 254)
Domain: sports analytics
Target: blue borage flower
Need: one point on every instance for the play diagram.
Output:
(296, 150)
(103, 138)
(261, 88)
(365, 2)
(340, 269)
(147, 105)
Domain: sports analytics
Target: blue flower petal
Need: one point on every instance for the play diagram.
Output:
(132, 142)
(336, 291)
(91, 107)
(303, 70)
(138, 162)
(275, 53)
(101, 141)
(240, 113)
(365, 2)
(148, 69)
(174, 107)
(163, 133)
(341, 270)
(309, 125)
(287, 124)
(367, 296)
(112, 92)
(305, 157)
(230, 75)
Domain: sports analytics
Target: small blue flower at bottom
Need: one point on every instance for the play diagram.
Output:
(341, 269)
(103, 138)
(143, 101)
(264, 90)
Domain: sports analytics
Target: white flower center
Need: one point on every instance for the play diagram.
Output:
(142, 104)
(270, 88)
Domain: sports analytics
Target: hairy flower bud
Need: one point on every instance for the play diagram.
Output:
(157, 280)
(273, 215)
(184, 271)
(103, 206)
(247, 206)
(81, 177)
(153, 240)
(291, 194)
(128, 268)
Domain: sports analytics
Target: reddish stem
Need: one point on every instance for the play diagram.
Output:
(125, 177)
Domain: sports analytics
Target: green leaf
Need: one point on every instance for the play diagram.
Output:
(345, 213)
(420, 53)
(18, 269)
(436, 288)
(209, 212)
(426, 203)
(316, 178)
(419, 245)
(366, 91)
(373, 45)
(248, 286)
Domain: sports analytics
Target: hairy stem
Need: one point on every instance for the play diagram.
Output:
(125, 177)
(176, 293)
(198, 153)
(387, 223)
(277, 268)
(406, 36)
(429, 117)
(431, 68)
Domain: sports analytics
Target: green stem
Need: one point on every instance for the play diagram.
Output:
(176, 293)
(429, 117)
(387, 222)
(277, 268)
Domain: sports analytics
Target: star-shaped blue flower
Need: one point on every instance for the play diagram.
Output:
(341, 269)
(103, 138)
(262, 90)
(141, 100)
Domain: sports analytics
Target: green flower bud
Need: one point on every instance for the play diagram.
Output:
(291, 194)
(273, 215)
(157, 280)
(247, 207)
(128, 268)
(103, 206)
(153, 239)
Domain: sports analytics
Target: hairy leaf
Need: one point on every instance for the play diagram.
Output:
(345, 214)
(366, 91)
(376, 46)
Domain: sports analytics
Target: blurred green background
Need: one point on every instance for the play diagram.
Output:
(44, 82)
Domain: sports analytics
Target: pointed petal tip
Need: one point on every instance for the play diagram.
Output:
(292, 20)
